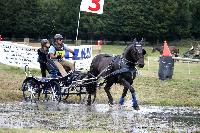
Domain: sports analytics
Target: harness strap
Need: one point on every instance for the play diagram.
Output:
(124, 59)
(122, 70)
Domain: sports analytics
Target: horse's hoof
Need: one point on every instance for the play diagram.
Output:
(110, 104)
(88, 103)
(136, 107)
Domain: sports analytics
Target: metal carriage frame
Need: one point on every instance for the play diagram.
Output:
(55, 88)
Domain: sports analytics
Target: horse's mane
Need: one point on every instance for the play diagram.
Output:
(127, 48)
(105, 55)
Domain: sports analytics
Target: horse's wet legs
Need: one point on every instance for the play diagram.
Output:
(107, 90)
(39, 92)
(132, 90)
(121, 101)
(134, 100)
(89, 100)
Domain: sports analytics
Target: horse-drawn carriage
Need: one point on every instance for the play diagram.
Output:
(118, 69)
(55, 87)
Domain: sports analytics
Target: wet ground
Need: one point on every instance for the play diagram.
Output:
(99, 117)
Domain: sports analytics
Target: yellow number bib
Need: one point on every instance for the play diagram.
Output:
(62, 53)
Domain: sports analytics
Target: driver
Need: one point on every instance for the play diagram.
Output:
(57, 51)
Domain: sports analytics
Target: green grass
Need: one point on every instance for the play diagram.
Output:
(11, 79)
(182, 90)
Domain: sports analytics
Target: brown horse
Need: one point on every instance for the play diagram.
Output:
(173, 49)
(119, 69)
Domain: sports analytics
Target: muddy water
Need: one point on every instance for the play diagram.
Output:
(99, 117)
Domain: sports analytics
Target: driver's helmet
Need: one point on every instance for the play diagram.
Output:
(44, 42)
(58, 36)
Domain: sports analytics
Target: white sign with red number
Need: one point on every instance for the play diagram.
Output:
(94, 6)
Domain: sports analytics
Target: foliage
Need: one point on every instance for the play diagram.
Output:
(122, 20)
(195, 14)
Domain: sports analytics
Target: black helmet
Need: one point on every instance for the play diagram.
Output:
(58, 36)
(43, 42)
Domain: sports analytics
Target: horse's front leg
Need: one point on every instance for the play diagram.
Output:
(107, 90)
(132, 90)
(121, 101)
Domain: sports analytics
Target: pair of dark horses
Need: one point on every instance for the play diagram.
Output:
(119, 69)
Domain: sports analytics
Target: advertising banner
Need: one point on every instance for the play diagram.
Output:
(21, 55)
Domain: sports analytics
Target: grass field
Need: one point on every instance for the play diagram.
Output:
(182, 90)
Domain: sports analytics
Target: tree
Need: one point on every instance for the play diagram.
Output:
(195, 22)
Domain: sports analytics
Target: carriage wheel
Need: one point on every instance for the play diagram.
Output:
(30, 88)
(53, 91)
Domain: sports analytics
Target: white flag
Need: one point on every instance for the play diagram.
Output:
(94, 6)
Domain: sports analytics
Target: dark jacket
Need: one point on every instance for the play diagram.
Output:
(42, 55)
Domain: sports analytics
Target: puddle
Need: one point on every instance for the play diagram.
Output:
(99, 116)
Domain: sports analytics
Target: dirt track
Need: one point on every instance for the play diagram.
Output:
(99, 117)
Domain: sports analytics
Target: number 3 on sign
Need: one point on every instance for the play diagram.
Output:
(97, 5)
(94, 6)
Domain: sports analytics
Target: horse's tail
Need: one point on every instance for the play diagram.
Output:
(93, 67)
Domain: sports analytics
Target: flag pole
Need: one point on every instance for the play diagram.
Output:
(78, 27)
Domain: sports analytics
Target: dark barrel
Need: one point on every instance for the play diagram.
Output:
(166, 67)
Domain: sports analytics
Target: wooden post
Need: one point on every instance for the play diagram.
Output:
(188, 67)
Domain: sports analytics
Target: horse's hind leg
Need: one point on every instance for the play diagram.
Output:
(89, 100)
(134, 100)
(121, 101)
(107, 90)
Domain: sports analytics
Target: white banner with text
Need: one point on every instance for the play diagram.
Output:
(21, 55)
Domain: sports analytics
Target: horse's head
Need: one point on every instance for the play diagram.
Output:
(135, 53)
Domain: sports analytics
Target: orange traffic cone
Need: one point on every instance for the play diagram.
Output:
(166, 51)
